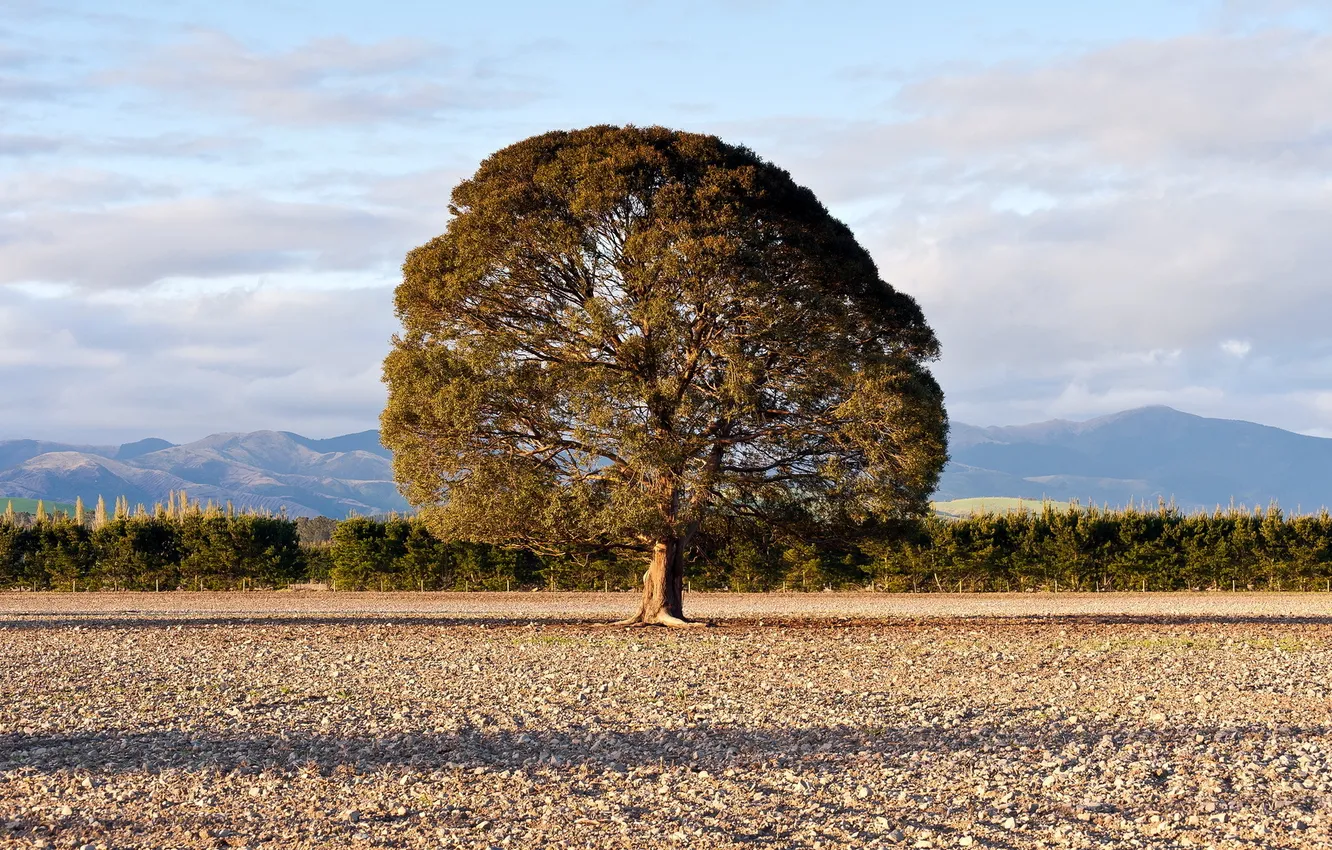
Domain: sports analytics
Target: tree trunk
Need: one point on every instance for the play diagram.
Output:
(663, 587)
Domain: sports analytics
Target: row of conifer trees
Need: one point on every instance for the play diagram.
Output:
(179, 544)
(185, 545)
(178, 504)
(1099, 549)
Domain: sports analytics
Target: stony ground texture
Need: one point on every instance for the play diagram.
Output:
(274, 720)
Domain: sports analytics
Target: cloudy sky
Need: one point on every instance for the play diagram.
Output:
(203, 206)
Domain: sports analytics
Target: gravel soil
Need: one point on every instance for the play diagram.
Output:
(511, 720)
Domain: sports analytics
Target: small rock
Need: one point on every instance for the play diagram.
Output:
(862, 792)
(353, 816)
(896, 835)
(66, 811)
(1009, 823)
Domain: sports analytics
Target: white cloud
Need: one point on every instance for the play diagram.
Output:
(107, 369)
(1237, 348)
(324, 81)
(1080, 231)
(1060, 222)
(136, 245)
(75, 187)
(1139, 104)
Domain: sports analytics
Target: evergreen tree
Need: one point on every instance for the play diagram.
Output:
(627, 331)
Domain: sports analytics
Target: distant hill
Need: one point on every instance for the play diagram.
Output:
(1141, 455)
(273, 470)
(13, 452)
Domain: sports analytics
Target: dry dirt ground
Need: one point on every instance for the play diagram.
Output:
(509, 720)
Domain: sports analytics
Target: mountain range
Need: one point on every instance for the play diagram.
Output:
(266, 470)
(1137, 455)
(1142, 455)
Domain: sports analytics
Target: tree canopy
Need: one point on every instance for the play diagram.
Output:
(625, 331)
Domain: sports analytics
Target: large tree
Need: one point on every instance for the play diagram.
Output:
(626, 330)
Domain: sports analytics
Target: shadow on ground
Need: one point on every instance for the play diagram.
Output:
(132, 620)
(761, 758)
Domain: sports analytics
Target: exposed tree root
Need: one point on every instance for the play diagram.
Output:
(639, 621)
(676, 622)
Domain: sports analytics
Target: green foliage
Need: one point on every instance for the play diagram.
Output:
(1090, 549)
(59, 552)
(13, 542)
(1072, 549)
(315, 530)
(625, 332)
(400, 554)
(318, 560)
(222, 551)
(147, 552)
(136, 554)
(365, 554)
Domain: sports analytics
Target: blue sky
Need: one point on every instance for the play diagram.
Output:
(203, 206)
